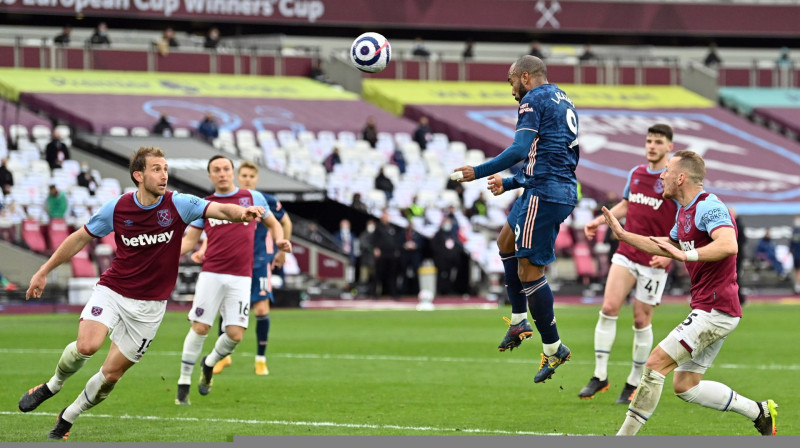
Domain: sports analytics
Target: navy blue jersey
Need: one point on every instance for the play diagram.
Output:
(264, 249)
(546, 139)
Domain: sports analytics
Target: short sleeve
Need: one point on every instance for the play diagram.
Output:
(627, 191)
(190, 207)
(673, 234)
(259, 199)
(712, 214)
(102, 222)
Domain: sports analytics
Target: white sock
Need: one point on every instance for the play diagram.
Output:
(518, 317)
(261, 358)
(604, 333)
(714, 395)
(192, 347)
(224, 347)
(70, 362)
(644, 402)
(642, 344)
(551, 349)
(96, 390)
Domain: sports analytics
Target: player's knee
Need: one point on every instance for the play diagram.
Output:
(199, 328)
(654, 362)
(610, 309)
(529, 272)
(261, 308)
(236, 337)
(235, 333)
(684, 388)
(88, 347)
(640, 322)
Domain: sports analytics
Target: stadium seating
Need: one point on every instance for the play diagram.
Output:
(564, 241)
(57, 232)
(82, 265)
(8, 231)
(584, 262)
(32, 235)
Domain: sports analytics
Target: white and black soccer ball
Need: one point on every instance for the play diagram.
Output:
(370, 52)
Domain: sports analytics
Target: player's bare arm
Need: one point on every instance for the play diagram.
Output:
(234, 213)
(619, 211)
(286, 223)
(651, 245)
(276, 229)
(71, 246)
(200, 254)
(723, 245)
(190, 239)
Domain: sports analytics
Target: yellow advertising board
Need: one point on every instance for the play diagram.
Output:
(16, 81)
(394, 95)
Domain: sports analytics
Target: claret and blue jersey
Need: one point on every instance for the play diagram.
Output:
(230, 244)
(148, 242)
(714, 283)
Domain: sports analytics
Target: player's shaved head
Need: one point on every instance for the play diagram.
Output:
(692, 164)
(531, 65)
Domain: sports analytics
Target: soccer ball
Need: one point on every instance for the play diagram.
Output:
(370, 52)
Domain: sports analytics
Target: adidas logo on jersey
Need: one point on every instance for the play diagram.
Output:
(146, 240)
(639, 198)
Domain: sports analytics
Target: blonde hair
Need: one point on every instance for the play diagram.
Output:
(139, 159)
(247, 164)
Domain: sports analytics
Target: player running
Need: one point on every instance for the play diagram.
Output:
(265, 256)
(646, 212)
(225, 281)
(704, 236)
(130, 299)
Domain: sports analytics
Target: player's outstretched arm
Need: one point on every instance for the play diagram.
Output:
(653, 245)
(234, 213)
(71, 246)
(523, 140)
(619, 211)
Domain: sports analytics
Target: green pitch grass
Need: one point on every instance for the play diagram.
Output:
(383, 373)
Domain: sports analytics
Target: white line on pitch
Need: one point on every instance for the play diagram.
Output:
(351, 357)
(303, 423)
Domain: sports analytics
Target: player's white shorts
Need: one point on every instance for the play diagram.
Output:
(133, 323)
(696, 341)
(650, 282)
(226, 294)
